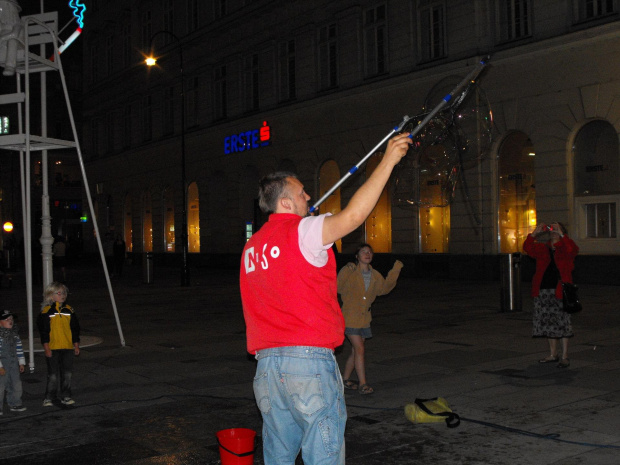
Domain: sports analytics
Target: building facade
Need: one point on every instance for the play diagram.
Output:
(243, 88)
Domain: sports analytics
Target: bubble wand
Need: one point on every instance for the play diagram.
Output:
(473, 74)
(78, 12)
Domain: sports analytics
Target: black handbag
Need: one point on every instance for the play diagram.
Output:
(570, 298)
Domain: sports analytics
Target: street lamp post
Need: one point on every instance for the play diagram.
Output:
(151, 61)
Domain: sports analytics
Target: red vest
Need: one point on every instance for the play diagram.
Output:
(286, 300)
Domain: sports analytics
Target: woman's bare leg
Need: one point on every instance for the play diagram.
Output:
(359, 357)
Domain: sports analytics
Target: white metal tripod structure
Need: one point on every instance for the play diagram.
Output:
(41, 32)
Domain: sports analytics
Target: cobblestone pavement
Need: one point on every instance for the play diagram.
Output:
(184, 374)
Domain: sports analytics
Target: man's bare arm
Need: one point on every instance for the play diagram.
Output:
(366, 197)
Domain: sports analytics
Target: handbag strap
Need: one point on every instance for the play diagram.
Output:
(452, 419)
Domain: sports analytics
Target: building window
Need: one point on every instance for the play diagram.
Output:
(219, 92)
(168, 204)
(514, 17)
(596, 229)
(328, 57)
(147, 30)
(219, 8)
(128, 223)
(251, 82)
(431, 35)
(596, 167)
(286, 63)
(110, 54)
(94, 136)
(596, 159)
(147, 223)
(192, 15)
(4, 125)
(193, 218)
(127, 48)
(435, 196)
(127, 133)
(110, 132)
(517, 192)
(329, 175)
(375, 41)
(601, 220)
(168, 111)
(147, 118)
(379, 222)
(585, 10)
(168, 17)
(191, 102)
(94, 62)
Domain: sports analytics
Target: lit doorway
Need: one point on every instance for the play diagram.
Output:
(379, 222)
(193, 218)
(517, 192)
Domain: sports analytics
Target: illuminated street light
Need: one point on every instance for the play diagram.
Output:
(151, 61)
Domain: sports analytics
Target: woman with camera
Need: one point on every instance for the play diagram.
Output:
(555, 254)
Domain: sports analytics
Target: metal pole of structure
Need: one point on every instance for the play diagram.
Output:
(185, 278)
(46, 219)
(184, 235)
(473, 74)
(27, 205)
(88, 196)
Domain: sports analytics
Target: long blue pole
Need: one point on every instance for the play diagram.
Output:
(469, 78)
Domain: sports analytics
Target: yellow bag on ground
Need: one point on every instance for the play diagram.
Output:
(431, 411)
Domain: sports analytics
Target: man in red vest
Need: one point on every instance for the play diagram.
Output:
(293, 320)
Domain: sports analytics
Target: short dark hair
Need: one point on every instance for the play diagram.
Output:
(359, 248)
(272, 188)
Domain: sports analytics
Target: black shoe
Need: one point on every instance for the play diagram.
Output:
(17, 408)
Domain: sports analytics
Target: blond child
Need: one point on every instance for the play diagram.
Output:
(59, 329)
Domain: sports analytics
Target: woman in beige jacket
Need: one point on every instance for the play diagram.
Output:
(359, 285)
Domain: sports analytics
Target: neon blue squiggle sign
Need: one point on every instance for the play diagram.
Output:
(78, 11)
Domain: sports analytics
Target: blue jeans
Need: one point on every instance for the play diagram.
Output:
(12, 383)
(61, 362)
(300, 394)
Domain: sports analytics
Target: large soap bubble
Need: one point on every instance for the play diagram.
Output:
(458, 137)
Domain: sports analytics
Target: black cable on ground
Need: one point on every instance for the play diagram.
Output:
(550, 436)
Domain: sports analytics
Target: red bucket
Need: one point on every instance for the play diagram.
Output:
(236, 446)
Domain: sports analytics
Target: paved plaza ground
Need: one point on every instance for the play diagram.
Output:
(184, 374)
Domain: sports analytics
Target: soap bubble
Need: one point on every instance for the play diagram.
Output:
(457, 137)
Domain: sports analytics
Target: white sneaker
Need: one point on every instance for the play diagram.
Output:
(67, 401)
(48, 403)
(17, 408)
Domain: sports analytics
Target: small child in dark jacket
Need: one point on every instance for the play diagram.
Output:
(59, 329)
(12, 363)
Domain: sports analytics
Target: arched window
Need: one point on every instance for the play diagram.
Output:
(597, 187)
(517, 192)
(596, 159)
(128, 223)
(168, 204)
(147, 223)
(193, 218)
(434, 211)
(379, 222)
(329, 174)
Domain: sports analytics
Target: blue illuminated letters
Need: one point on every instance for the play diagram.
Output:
(248, 140)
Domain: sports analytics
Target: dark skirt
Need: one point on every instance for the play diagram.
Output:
(549, 319)
(366, 333)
